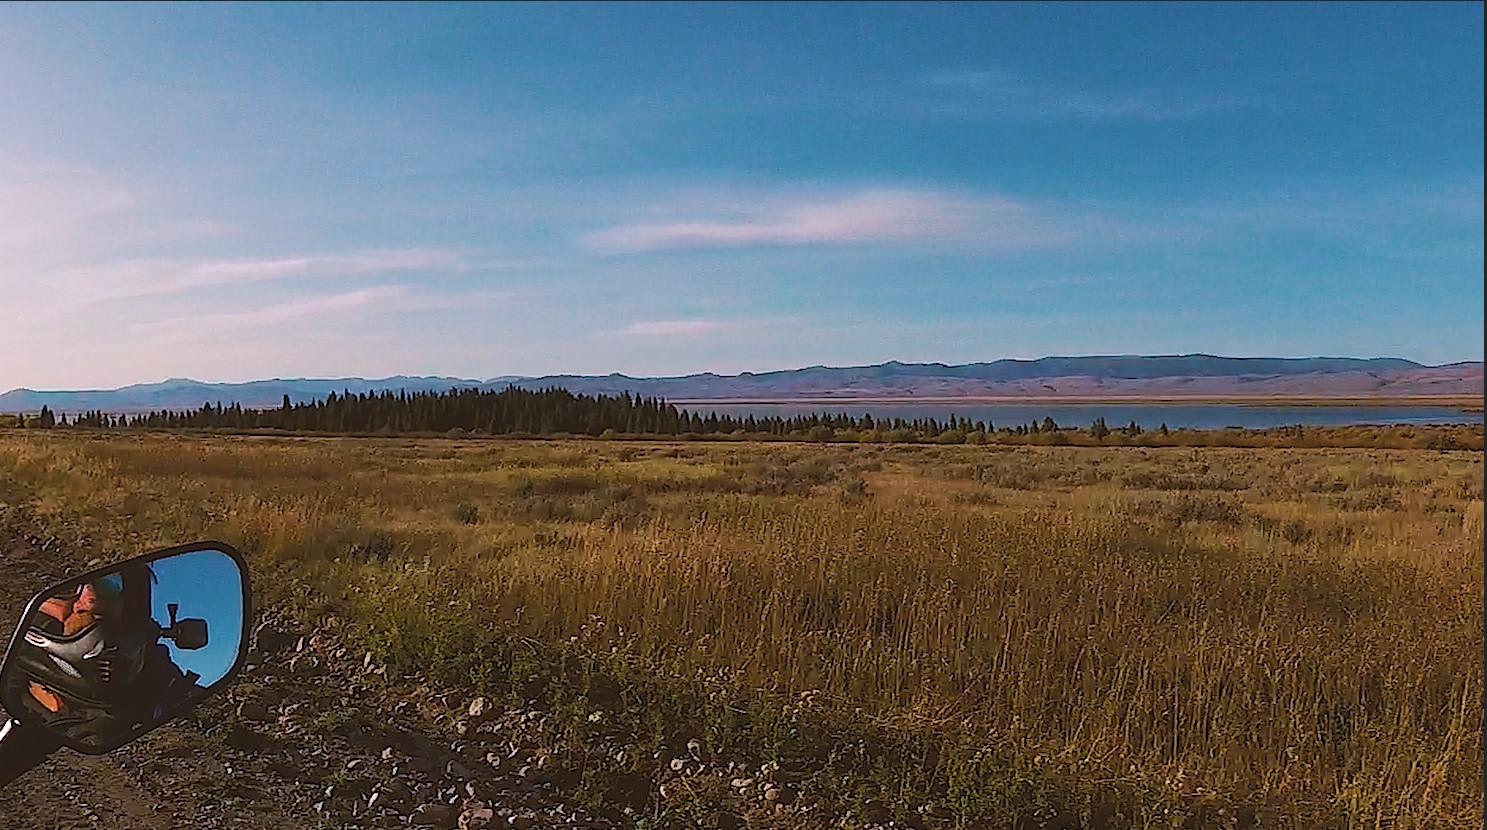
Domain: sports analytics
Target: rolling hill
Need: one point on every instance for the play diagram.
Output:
(1120, 376)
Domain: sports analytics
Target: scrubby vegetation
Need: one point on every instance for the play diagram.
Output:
(965, 636)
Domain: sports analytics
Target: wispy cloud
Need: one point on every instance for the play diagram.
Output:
(71, 236)
(316, 306)
(672, 328)
(350, 264)
(50, 211)
(860, 216)
(360, 299)
(1001, 91)
(129, 279)
(39, 200)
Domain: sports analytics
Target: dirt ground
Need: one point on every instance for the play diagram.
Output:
(265, 754)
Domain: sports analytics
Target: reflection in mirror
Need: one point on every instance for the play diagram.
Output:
(117, 654)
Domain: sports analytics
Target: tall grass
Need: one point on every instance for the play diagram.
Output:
(1297, 628)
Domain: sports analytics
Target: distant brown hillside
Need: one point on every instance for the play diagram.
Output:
(1118, 376)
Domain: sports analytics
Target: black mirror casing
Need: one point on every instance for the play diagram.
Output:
(24, 655)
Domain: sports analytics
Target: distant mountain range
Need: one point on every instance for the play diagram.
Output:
(1123, 376)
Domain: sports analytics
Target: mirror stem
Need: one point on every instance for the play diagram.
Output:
(21, 748)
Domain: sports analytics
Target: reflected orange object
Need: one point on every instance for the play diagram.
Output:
(46, 697)
(57, 609)
(77, 622)
(74, 614)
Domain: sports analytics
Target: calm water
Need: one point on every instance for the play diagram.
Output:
(1149, 416)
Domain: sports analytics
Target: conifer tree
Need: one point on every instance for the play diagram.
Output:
(1098, 429)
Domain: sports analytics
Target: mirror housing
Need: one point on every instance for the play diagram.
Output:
(100, 659)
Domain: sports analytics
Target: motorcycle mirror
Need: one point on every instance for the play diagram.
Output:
(189, 635)
(100, 659)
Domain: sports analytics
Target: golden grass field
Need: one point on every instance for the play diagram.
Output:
(1150, 635)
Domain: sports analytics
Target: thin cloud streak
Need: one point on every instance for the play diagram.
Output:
(863, 216)
(43, 203)
(372, 298)
(130, 279)
(671, 328)
(377, 296)
(352, 264)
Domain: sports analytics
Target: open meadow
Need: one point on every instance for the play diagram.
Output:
(947, 635)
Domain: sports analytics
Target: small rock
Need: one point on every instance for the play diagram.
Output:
(479, 709)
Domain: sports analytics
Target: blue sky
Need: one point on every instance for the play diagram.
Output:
(207, 585)
(233, 192)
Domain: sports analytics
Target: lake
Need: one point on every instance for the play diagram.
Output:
(1149, 416)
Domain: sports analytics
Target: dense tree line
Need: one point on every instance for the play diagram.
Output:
(513, 410)
(546, 412)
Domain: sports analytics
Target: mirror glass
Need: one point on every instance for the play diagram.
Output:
(104, 658)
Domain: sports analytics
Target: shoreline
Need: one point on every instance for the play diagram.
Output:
(1466, 403)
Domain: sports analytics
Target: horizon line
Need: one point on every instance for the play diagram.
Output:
(743, 373)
